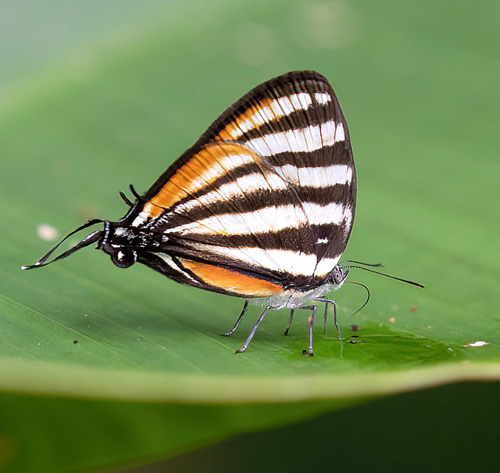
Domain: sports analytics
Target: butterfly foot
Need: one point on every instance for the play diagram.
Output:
(307, 352)
(240, 350)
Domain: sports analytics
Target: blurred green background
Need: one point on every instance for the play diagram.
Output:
(96, 95)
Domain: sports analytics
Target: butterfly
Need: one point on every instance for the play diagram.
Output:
(261, 207)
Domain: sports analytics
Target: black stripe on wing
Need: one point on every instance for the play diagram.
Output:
(287, 239)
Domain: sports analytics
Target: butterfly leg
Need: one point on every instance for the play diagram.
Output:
(252, 333)
(325, 319)
(238, 321)
(292, 311)
(313, 308)
(335, 321)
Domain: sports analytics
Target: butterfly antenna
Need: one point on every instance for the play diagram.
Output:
(407, 281)
(368, 295)
(373, 265)
(88, 240)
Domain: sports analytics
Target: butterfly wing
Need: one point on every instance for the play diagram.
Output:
(295, 123)
(267, 193)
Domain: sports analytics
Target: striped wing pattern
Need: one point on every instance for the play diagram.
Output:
(264, 201)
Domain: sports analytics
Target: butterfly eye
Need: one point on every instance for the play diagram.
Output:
(338, 276)
(124, 259)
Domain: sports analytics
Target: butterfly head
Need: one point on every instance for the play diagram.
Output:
(120, 243)
(337, 277)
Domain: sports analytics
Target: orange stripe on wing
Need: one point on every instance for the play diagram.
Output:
(211, 163)
(251, 118)
(232, 281)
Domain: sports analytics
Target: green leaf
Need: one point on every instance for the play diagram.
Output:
(131, 366)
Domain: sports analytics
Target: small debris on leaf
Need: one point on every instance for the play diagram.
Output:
(47, 232)
(479, 343)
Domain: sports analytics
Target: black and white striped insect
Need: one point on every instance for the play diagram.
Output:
(261, 207)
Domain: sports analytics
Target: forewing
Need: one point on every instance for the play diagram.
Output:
(268, 189)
